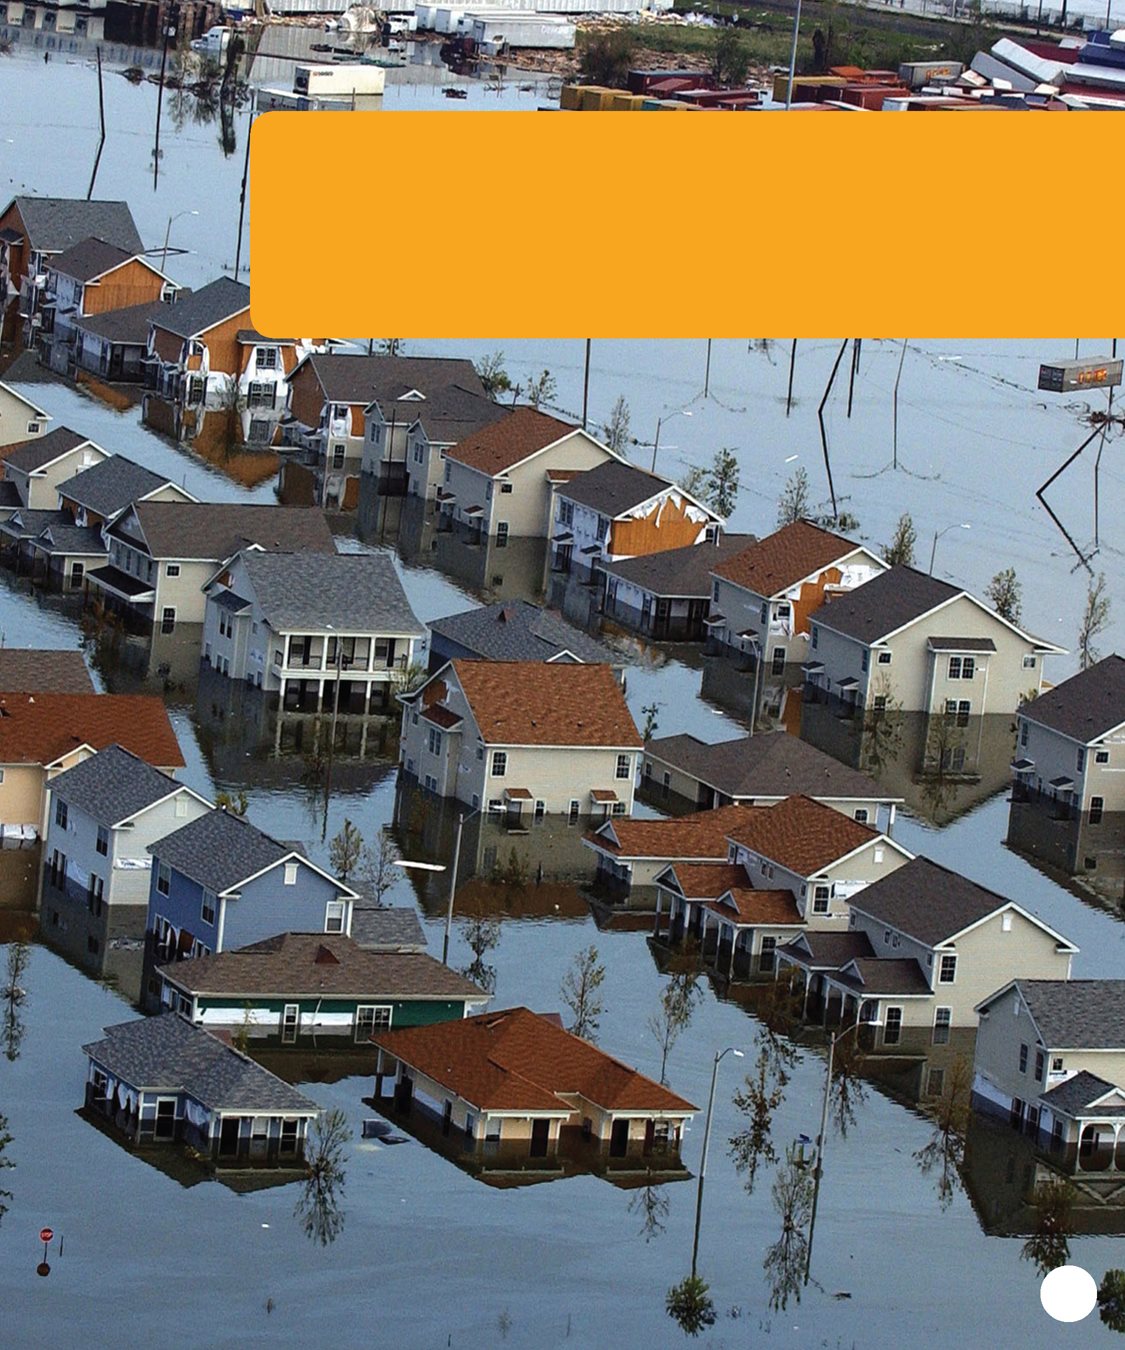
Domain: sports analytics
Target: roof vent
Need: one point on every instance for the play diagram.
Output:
(324, 957)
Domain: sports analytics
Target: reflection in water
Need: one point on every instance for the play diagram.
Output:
(15, 995)
(318, 1209)
(786, 1261)
(1049, 1245)
(758, 1099)
(1111, 1300)
(690, 1305)
(652, 1205)
(482, 934)
(5, 1162)
(849, 1091)
(945, 1153)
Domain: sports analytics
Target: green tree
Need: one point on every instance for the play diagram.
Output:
(1095, 620)
(606, 57)
(236, 803)
(729, 59)
(1049, 1246)
(580, 988)
(541, 390)
(677, 1006)
(1111, 1300)
(690, 1305)
(616, 431)
(1006, 594)
(900, 551)
(649, 729)
(722, 482)
(345, 850)
(492, 374)
(793, 504)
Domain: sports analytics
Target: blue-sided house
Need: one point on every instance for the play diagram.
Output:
(220, 883)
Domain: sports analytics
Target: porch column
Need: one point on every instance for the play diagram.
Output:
(656, 926)
(734, 934)
(824, 1011)
(368, 686)
(805, 1000)
(319, 695)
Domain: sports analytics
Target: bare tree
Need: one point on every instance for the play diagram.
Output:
(345, 850)
(652, 1205)
(541, 390)
(900, 551)
(318, 1207)
(15, 995)
(616, 432)
(376, 872)
(677, 1005)
(945, 1152)
(762, 1093)
(794, 504)
(5, 1140)
(580, 993)
(1006, 594)
(1095, 620)
(785, 1260)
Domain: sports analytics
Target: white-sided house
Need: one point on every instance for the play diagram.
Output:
(934, 940)
(618, 511)
(36, 467)
(317, 630)
(20, 419)
(761, 598)
(511, 737)
(106, 812)
(496, 482)
(1050, 1057)
(914, 643)
(1071, 742)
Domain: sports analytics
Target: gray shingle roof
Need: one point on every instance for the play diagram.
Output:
(211, 304)
(1087, 705)
(679, 572)
(351, 592)
(41, 450)
(218, 530)
(884, 604)
(170, 1054)
(926, 901)
(113, 785)
(613, 487)
(110, 486)
(1078, 1014)
(517, 630)
(961, 644)
(769, 764)
(128, 325)
(26, 524)
(219, 850)
(90, 258)
(55, 223)
(1073, 1096)
(61, 537)
(830, 951)
(387, 928)
(885, 975)
(41, 670)
(385, 379)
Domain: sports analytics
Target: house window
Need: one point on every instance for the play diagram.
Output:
(884, 658)
(435, 741)
(261, 431)
(502, 534)
(1040, 1064)
(943, 1018)
(499, 763)
(821, 897)
(624, 766)
(1023, 1058)
(954, 667)
(267, 358)
(1029, 663)
(861, 815)
(766, 956)
(495, 806)
(968, 668)
(207, 909)
(603, 528)
(33, 428)
(334, 916)
(1057, 1064)
(892, 1027)
(815, 636)
(572, 812)
(777, 665)
(947, 972)
(167, 619)
(1081, 760)
(618, 808)
(370, 1018)
(60, 813)
(77, 572)
(935, 1082)
(163, 878)
(290, 1022)
(338, 456)
(879, 703)
(540, 810)
(865, 659)
(172, 570)
(505, 487)
(1101, 756)
(1023, 733)
(102, 844)
(566, 517)
(1097, 806)
(291, 874)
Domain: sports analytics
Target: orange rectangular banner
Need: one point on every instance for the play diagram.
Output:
(474, 224)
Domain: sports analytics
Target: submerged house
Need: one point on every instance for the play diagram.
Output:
(514, 630)
(631, 854)
(163, 1080)
(45, 670)
(20, 419)
(35, 468)
(311, 988)
(114, 345)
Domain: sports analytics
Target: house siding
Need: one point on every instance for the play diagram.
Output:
(16, 417)
(1056, 756)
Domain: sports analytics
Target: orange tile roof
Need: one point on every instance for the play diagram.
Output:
(40, 728)
(758, 907)
(707, 881)
(703, 834)
(801, 834)
(517, 1060)
(547, 703)
(509, 441)
(785, 557)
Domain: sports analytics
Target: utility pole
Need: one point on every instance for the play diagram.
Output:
(707, 371)
(332, 733)
(452, 890)
(586, 386)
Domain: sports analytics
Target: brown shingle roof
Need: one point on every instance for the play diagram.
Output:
(217, 530)
(547, 703)
(519, 1060)
(801, 834)
(785, 557)
(41, 728)
(509, 441)
(702, 835)
(34, 670)
(753, 907)
(707, 881)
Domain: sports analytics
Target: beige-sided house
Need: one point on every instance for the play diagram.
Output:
(631, 854)
(1071, 742)
(496, 482)
(35, 468)
(923, 945)
(913, 643)
(162, 554)
(790, 867)
(1050, 1056)
(20, 419)
(510, 737)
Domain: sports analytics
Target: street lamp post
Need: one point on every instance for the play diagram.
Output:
(452, 890)
(680, 412)
(963, 525)
(168, 235)
(818, 1169)
(721, 1054)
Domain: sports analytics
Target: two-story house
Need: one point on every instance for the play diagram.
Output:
(105, 813)
(925, 944)
(316, 630)
(496, 482)
(20, 419)
(219, 883)
(510, 737)
(114, 345)
(1050, 1057)
(514, 630)
(618, 511)
(913, 643)
(90, 278)
(162, 554)
(632, 853)
(36, 467)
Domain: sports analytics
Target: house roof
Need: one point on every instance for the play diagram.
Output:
(168, 1052)
(547, 703)
(518, 1060)
(509, 440)
(801, 834)
(220, 850)
(961, 644)
(1086, 706)
(874, 975)
(745, 905)
(111, 485)
(39, 728)
(517, 630)
(39, 412)
(782, 559)
(828, 951)
(55, 223)
(220, 299)
(42, 670)
(927, 901)
(113, 785)
(130, 324)
(351, 592)
(678, 572)
(320, 965)
(59, 535)
(884, 604)
(707, 881)
(767, 764)
(40, 451)
(90, 258)
(613, 487)
(703, 834)
(1077, 1094)
(1077, 1014)
(379, 378)
(215, 531)
(387, 928)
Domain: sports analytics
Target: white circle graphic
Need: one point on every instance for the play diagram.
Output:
(1068, 1294)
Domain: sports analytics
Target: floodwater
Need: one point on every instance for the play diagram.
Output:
(428, 1256)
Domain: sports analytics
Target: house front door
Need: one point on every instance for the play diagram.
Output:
(228, 1137)
(619, 1139)
(540, 1133)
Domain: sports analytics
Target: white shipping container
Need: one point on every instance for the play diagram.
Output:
(520, 29)
(346, 78)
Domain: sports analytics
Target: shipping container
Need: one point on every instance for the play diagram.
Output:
(338, 80)
(915, 74)
(1094, 372)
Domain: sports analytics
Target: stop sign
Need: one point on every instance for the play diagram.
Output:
(46, 1234)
